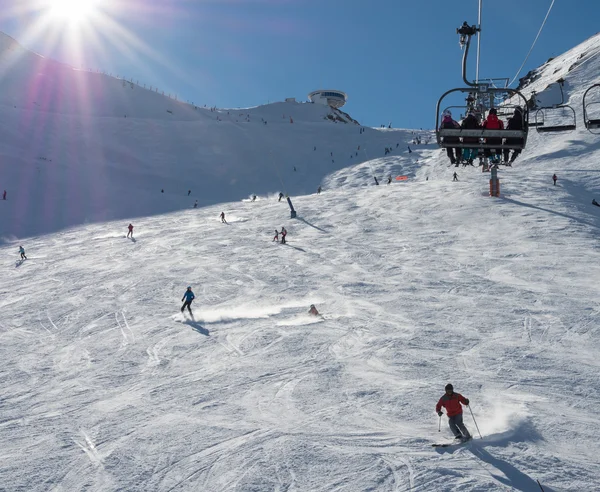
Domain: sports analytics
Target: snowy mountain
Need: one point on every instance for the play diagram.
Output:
(106, 386)
(81, 147)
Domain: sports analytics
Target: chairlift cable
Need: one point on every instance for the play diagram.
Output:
(534, 41)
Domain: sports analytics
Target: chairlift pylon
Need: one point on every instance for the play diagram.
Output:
(592, 124)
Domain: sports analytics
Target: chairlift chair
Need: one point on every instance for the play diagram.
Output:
(510, 139)
(541, 117)
(567, 123)
(591, 123)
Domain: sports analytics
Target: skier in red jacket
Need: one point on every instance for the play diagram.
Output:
(493, 123)
(451, 401)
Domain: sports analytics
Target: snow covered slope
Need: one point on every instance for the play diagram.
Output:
(105, 386)
(81, 147)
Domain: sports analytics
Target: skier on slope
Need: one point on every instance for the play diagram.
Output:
(276, 237)
(222, 216)
(130, 229)
(554, 178)
(22, 251)
(188, 297)
(280, 196)
(455, 177)
(283, 234)
(451, 401)
(313, 310)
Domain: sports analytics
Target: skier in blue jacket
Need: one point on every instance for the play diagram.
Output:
(189, 297)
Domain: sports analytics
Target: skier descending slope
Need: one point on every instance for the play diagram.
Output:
(451, 401)
(188, 297)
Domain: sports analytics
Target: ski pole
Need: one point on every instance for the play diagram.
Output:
(440, 425)
(475, 422)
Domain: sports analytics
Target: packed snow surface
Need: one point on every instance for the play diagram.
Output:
(106, 386)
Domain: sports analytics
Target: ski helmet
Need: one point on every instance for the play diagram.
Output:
(189, 287)
(449, 387)
(447, 112)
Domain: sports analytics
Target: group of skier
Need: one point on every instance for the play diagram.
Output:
(491, 122)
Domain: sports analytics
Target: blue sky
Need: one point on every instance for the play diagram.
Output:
(394, 58)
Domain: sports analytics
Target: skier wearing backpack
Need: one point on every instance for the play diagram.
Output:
(188, 297)
(451, 401)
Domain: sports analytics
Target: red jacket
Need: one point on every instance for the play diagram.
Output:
(493, 123)
(451, 404)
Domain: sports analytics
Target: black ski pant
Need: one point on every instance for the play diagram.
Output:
(187, 304)
(23, 257)
(457, 427)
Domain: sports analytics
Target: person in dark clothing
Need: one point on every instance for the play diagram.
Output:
(222, 217)
(130, 229)
(196, 204)
(22, 251)
(389, 180)
(319, 190)
(376, 181)
(554, 178)
(188, 297)
(313, 310)
(189, 191)
(283, 234)
(276, 237)
(470, 123)
(4, 195)
(455, 177)
(454, 154)
(162, 191)
(515, 122)
(280, 196)
(451, 401)
(253, 198)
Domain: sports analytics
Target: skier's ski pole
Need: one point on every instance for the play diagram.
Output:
(440, 425)
(475, 422)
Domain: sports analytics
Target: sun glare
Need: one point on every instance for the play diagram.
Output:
(73, 10)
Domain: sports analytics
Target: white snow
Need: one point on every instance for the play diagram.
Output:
(106, 386)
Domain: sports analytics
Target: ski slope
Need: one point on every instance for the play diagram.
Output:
(105, 386)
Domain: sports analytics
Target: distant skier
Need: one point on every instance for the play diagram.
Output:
(162, 191)
(389, 180)
(222, 216)
(189, 191)
(196, 204)
(376, 182)
(594, 202)
(4, 195)
(294, 168)
(319, 190)
(130, 228)
(280, 196)
(276, 237)
(283, 234)
(22, 251)
(253, 198)
(409, 151)
(455, 177)
(313, 310)
(554, 178)
(451, 401)
(188, 297)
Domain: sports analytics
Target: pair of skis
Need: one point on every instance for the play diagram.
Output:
(457, 442)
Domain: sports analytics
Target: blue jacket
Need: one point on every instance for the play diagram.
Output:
(188, 296)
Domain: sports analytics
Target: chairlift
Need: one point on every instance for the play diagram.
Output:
(592, 123)
(486, 94)
(556, 118)
(504, 139)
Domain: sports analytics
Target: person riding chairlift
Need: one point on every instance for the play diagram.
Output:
(493, 123)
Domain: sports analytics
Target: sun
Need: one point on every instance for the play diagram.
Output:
(73, 11)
